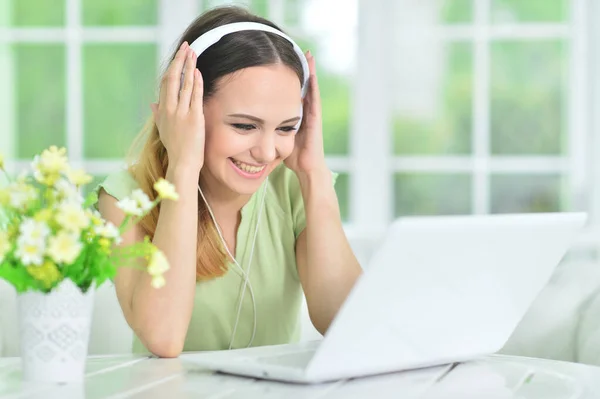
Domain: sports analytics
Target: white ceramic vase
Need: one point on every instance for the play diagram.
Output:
(54, 332)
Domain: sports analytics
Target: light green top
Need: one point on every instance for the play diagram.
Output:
(274, 277)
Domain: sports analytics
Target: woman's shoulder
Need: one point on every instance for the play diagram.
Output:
(118, 184)
(284, 187)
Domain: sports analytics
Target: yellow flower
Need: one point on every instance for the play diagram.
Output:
(47, 273)
(4, 245)
(95, 217)
(49, 165)
(71, 217)
(158, 264)
(166, 190)
(158, 282)
(104, 243)
(78, 177)
(4, 197)
(65, 247)
(45, 215)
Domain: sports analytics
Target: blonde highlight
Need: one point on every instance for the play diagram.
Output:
(148, 161)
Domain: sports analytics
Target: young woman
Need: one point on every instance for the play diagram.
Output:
(237, 130)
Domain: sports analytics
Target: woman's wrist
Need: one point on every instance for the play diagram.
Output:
(182, 173)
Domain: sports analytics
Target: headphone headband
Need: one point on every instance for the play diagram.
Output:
(214, 35)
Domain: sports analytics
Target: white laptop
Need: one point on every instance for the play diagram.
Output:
(439, 290)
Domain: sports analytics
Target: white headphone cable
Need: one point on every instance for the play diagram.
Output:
(244, 275)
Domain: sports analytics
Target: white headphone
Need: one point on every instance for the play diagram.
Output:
(214, 35)
(245, 275)
(199, 46)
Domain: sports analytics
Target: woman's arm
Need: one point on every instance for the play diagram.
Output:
(160, 317)
(326, 264)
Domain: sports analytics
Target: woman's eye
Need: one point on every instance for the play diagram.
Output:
(287, 128)
(243, 126)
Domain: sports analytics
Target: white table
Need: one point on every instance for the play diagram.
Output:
(143, 377)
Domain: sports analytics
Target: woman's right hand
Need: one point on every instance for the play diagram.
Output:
(179, 113)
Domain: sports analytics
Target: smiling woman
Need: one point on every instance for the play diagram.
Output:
(240, 136)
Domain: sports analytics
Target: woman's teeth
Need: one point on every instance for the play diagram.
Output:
(248, 168)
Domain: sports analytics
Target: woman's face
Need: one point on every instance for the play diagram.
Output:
(251, 121)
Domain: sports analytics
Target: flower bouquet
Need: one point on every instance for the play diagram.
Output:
(56, 249)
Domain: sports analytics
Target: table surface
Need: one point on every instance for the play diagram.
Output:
(131, 376)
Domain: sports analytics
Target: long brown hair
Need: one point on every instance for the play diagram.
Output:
(148, 156)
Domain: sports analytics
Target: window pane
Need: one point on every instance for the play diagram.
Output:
(507, 11)
(333, 46)
(456, 11)
(528, 97)
(208, 4)
(40, 97)
(342, 188)
(38, 13)
(531, 193)
(119, 85)
(119, 12)
(433, 101)
(335, 100)
(432, 194)
(293, 12)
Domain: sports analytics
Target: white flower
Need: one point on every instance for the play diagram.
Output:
(4, 245)
(129, 206)
(109, 230)
(158, 264)
(30, 252)
(33, 231)
(71, 217)
(157, 267)
(158, 282)
(68, 191)
(65, 247)
(166, 190)
(142, 200)
(21, 194)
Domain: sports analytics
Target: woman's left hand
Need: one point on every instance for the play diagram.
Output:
(308, 155)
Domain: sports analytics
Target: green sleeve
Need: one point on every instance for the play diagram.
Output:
(118, 185)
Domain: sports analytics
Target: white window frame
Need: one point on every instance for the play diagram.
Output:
(371, 196)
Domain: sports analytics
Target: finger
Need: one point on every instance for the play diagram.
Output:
(188, 81)
(313, 87)
(198, 93)
(169, 88)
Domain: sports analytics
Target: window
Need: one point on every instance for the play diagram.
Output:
(483, 109)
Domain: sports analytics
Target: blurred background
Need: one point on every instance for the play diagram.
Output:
(431, 107)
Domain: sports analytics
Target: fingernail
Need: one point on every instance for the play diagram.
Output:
(182, 46)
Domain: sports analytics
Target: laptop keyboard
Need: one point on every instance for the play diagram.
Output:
(293, 359)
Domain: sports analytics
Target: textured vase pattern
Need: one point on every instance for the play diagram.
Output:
(55, 330)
